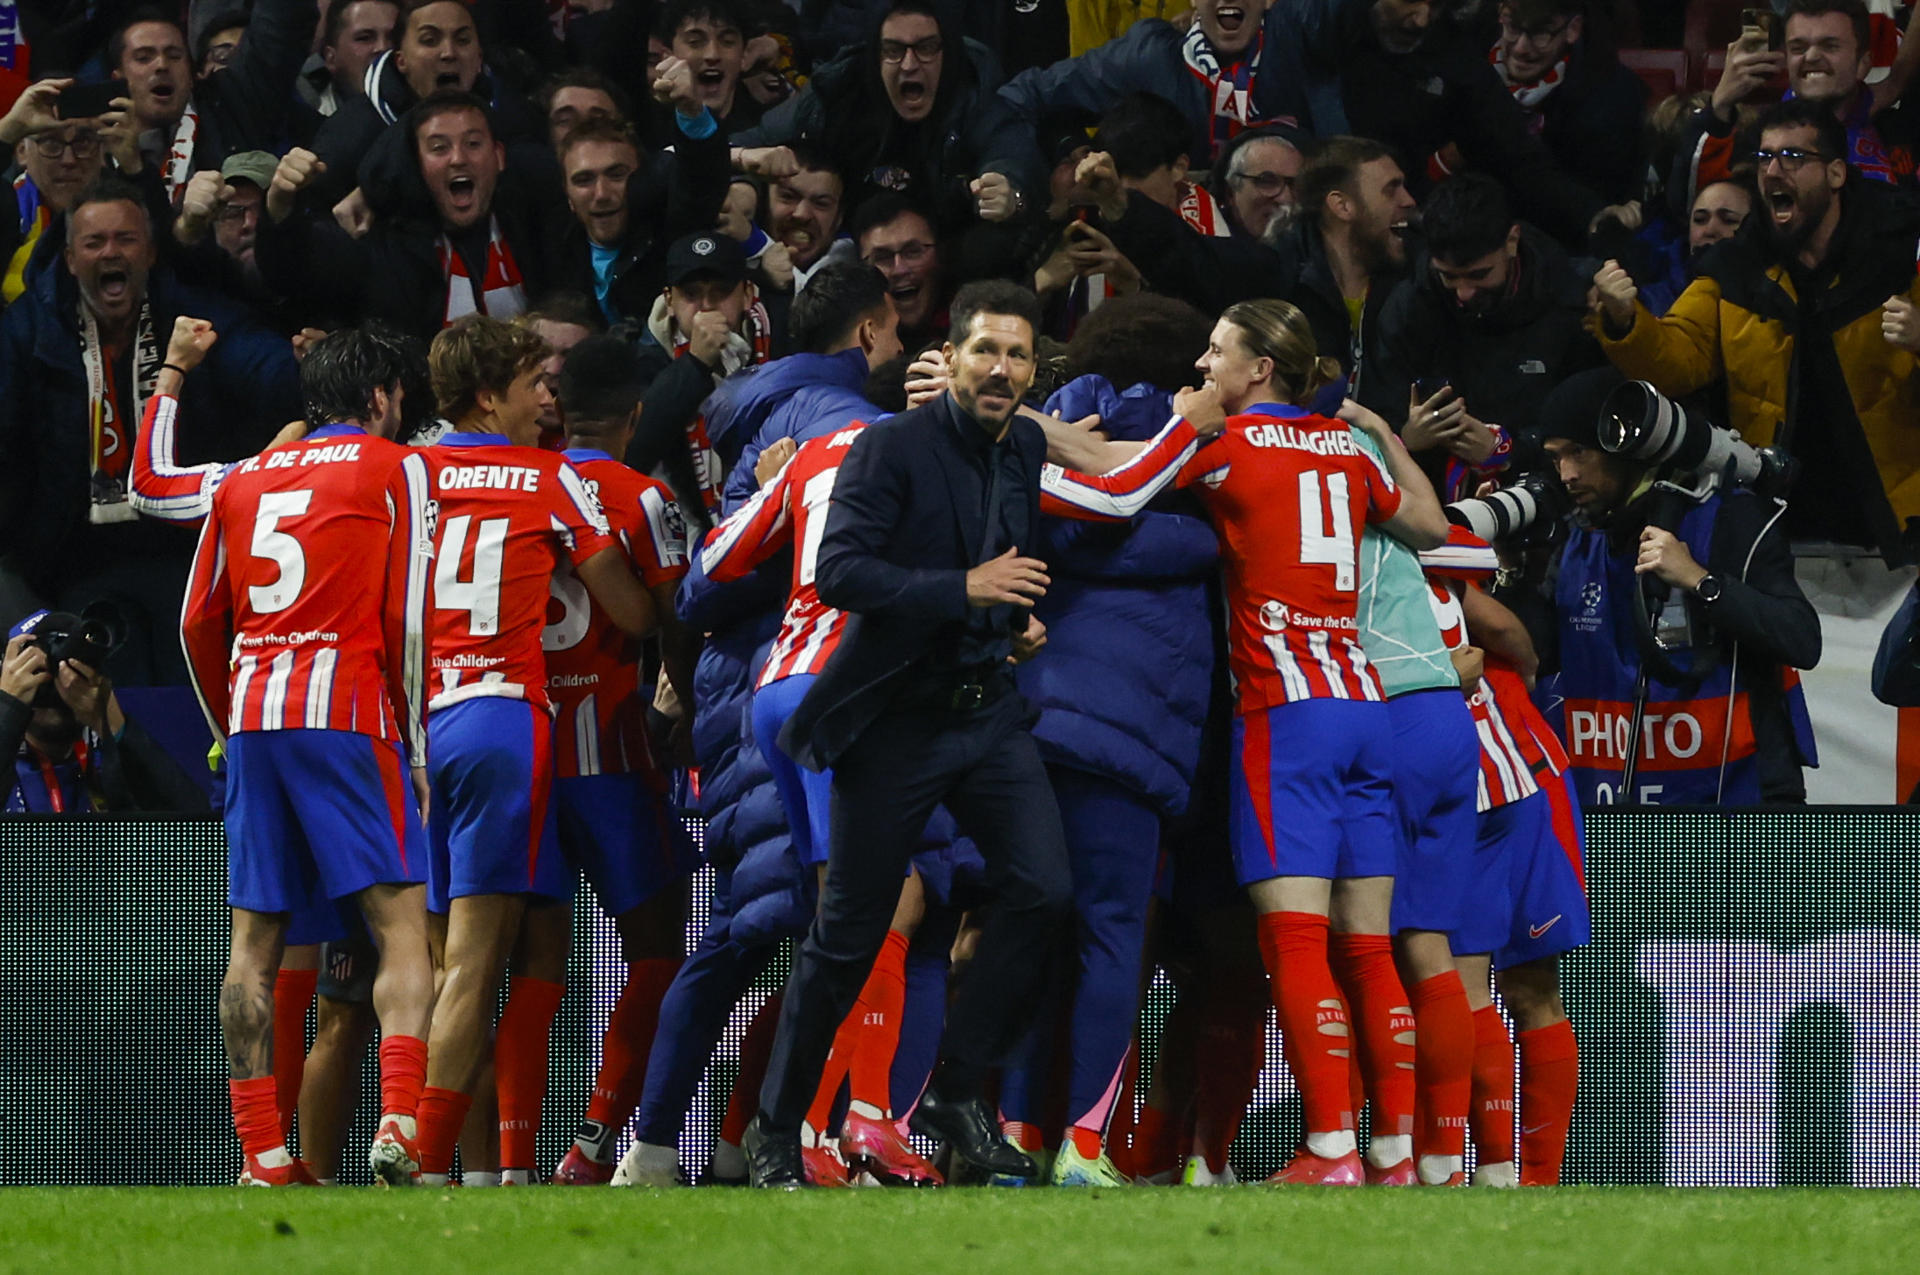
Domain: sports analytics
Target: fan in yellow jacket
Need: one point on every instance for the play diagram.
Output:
(1809, 316)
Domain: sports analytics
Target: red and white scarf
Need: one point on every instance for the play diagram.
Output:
(503, 293)
(179, 166)
(1201, 211)
(1229, 88)
(1529, 96)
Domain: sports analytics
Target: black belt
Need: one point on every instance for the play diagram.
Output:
(961, 691)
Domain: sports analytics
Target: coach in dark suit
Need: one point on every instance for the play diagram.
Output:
(917, 708)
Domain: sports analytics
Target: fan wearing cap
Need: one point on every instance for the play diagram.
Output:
(229, 202)
(72, 749)
(709, 322)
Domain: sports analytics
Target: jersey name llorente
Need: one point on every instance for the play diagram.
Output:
(507, 518)
(314, 558)
(593, 672)
(1290, 493)
(790, 509)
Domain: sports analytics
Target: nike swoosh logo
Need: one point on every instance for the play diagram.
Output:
(1530, 1130)
(1535, 931)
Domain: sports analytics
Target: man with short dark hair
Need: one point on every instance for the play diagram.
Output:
(805, 210)
(900, 240)
(1490, 321)
(626, 211)
(239, 105)
(1809, 313)
(711, 37)
(80, 355)
(352, 34)
(1825, 56)
(1338, 259)
(916, 707)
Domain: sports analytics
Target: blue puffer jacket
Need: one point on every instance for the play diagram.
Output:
(798, 396)
(1122, 683)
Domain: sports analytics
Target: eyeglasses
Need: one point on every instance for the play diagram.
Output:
(909, 254)
(234, 214)
(894, 52)
(1265, 183)
(1539, 37)
(83, 145)
(1789, 157)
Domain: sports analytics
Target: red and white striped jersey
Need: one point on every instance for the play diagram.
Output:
(593, 668)
(1289, 493)
(790, 509)
(1451, 569)
(159, 488)
(508, 517)
(309, 591)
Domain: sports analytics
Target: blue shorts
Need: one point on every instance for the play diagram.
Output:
(317, 814)
(806, 795)
(1436, 751)
(1311, 793)
(618, 834)
(492, 825)
(320, 922)
(1549, 888)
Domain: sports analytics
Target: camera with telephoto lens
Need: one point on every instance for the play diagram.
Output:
(90, 638)
(1531, 498)
(1642, 424)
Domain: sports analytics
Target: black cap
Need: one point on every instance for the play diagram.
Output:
(706, 253)
(1571, 410)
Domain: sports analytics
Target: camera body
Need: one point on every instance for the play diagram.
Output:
(90, 639)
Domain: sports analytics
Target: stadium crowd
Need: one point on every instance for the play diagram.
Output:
(1305, 381)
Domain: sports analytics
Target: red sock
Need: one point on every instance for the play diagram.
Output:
(1549, 1078)
(1383, 1022)
(754, 1048)
(1313, 1017)
(1443, 1057)
(629, 1039)
(254, 1116)
(520, 1064)
(1233, 1050)
(292, 996)
(832, 1077)
(442, 1112)
(1088, 1142)
(870, 1068)
(403, 1074)
(1154, 1136)
(1492, 1087)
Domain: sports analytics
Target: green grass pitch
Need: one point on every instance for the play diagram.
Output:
(1233, 1231)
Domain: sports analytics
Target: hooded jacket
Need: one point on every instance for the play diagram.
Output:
(1805, 364)
(844, 109)
(1122, 686)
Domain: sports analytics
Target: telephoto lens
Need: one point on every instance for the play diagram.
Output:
(1530, 499)
(1642, 424)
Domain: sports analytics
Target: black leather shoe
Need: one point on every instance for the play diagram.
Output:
(969, 1128)
(773, 1159)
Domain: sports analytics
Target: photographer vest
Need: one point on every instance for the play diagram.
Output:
(1686, 730)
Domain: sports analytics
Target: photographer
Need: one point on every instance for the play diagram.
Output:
(1724, 720)
(73, 750)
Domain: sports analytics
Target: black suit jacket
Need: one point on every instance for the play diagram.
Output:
(895, 556)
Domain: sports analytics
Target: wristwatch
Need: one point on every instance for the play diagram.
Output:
(1708, 590)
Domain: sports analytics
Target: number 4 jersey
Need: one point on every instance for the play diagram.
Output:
(508, 517)
(1289, 493)
(307, 604)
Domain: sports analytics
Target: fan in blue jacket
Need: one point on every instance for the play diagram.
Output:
(1121, 689)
